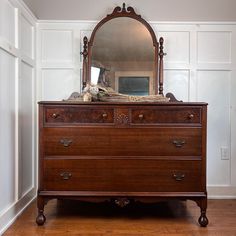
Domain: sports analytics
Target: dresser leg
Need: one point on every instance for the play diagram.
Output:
(40, 220)
(202, 203)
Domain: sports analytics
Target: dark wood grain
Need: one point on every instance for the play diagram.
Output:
(78, 115)
(155, 115)
(161, 156)
(112, 141)
(122, 175)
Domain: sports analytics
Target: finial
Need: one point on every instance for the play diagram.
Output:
(123, 8)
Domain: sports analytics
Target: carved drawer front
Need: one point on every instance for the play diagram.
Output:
(73, 115)
(110, 141)
(169, 115)
(122, 175)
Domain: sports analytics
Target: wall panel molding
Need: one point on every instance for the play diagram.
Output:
(17, 40)
(181, 71)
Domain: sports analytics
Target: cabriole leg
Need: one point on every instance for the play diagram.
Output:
(40, 219)
(202, 203)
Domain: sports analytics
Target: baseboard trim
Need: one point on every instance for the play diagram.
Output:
(13, 212)
(221, 192)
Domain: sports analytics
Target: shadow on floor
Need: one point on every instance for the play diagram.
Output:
(171, 209)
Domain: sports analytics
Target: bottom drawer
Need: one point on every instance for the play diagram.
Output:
(122, 175)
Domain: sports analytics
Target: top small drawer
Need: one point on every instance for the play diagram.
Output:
(82, 115)
(166, 115)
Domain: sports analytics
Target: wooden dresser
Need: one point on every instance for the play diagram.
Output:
(122, 152)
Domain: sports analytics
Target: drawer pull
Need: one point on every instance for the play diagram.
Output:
(178, 176)
(191, 116)
(179, 143)
(140, 116)
(65, 175)
(104, 115)
(55, 115)
(66, 142)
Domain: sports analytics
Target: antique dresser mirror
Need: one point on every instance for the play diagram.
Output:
(131, 143)
(124, 55)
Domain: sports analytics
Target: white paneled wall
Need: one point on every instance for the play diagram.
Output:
(219, 121)
(8, 129)
(51, 54)
(8, 22)
(26, 130)
(17, 109)
(62, 80)
(200, 66)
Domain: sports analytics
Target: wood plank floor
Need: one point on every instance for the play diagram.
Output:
(172, 218)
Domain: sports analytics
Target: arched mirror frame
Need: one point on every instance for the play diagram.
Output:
(158, 47)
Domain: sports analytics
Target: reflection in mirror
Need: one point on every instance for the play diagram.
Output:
(95, 73)
(137, 86)
(123, 51)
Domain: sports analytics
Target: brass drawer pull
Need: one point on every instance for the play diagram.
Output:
(104, 115)
(191, 116)
(65, 175)
(179, 143)
(178, 176)
(55, 115)
(140, 116)
(66, 142)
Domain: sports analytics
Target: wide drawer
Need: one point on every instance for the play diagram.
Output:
(77, 114)
(171, 115)
(109, 141)
(122, 175)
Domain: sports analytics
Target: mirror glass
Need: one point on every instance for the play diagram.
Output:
(123, 57)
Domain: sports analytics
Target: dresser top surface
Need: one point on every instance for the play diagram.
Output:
(123, 103)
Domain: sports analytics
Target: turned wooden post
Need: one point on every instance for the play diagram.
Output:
(161, 55)
(85, 62)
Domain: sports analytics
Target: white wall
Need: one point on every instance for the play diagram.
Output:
(17, 109)
(152, 10)
(199, 66)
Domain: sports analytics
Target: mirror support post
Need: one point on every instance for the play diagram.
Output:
(85, 61)
(161, 55)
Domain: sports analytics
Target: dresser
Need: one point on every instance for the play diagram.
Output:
(122, 152)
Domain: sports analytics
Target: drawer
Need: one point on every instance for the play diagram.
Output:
(122, 175)
(167, 115)
(110, 141)
(70, 115)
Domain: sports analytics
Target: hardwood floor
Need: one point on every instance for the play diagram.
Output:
(172, 218)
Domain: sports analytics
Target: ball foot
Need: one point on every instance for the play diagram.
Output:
(203, 221)
(40, 220)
